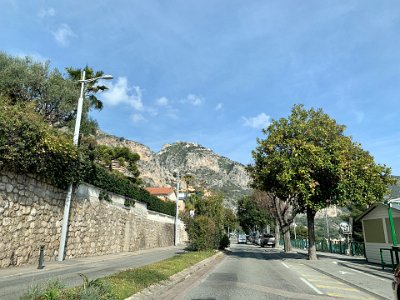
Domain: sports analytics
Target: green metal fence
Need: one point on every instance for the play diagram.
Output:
(339, 247)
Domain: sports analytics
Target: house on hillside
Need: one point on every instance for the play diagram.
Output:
(167, 194)
(377, 231)
(163, 193)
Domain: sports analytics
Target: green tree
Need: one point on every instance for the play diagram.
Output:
(307, 157)
(54, 95)
(206, 228)
(230, 219)
(281, 211)
(105, 155)
(28, 145)
(188, 179)
(250, 216)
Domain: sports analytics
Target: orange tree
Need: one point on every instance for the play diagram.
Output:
(307, 159)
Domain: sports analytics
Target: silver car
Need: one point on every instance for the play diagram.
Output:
(267, 240)
(242, 238)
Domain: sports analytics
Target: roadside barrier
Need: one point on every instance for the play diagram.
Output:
(338, 247)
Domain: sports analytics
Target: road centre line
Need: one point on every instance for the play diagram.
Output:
(311, 286)
(285, 265)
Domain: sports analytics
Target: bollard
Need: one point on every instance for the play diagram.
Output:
(41, 257)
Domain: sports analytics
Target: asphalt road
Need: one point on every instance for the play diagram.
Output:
(16, 281)
(252, 272)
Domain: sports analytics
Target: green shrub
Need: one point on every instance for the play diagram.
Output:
(117, 183)
(103, 195)
(56, 290)
(202, 233)
(51, 290)
(224, 242)
(29, 145)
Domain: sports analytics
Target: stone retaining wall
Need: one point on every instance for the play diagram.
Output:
(31, 214)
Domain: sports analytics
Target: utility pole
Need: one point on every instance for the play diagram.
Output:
(177, 209)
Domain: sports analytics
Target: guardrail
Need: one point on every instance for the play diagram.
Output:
(338, 247)
(392, 250)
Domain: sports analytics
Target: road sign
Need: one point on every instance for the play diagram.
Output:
(345, 227)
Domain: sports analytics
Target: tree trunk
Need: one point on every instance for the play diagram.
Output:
(286, 238)
(312, 250)
(277, 233)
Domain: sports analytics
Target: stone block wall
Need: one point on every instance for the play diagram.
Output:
(31, 213)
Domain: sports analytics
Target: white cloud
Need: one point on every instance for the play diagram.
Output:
(63, 34)
(219, 106)
(260, 121)
(166, 107)
(138, 118)
(121, 93)
(163, 101)
(49, 12)
(193, 100)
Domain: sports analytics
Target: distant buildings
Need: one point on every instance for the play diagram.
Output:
(168, 194)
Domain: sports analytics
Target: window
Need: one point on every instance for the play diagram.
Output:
(373, 230)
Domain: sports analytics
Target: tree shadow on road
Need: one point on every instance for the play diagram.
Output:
(257, 252)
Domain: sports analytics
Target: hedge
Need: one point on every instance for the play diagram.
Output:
(29, 145)
(119, 184)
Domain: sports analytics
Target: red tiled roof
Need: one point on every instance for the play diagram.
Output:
(160, 190)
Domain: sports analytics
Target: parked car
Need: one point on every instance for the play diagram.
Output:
(396, 283)
(242, 238)
(267, 240)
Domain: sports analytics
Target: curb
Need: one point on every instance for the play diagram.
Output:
(165, 285)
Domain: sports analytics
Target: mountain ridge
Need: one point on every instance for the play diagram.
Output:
(209, 169)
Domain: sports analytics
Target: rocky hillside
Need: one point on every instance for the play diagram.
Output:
(209, 169)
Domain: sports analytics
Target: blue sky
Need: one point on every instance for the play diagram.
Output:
(216, 72)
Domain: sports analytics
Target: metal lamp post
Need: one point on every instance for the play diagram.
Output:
(178, 179)
(64, 228)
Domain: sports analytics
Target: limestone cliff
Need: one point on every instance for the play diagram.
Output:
(210, 170)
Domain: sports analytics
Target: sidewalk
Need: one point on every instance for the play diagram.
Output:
(14, 282)
(354, 271)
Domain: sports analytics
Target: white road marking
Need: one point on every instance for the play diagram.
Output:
(370, 275)
(344, 272)
(311, 286)
(334, 262)
(286, 266)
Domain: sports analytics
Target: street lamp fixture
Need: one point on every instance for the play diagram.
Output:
(64, 227)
